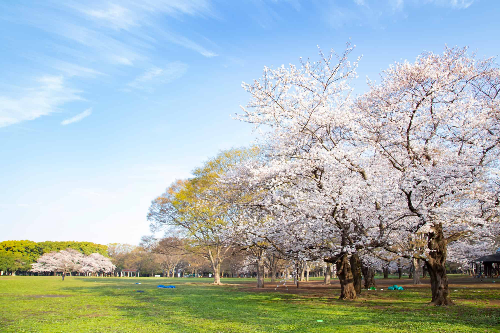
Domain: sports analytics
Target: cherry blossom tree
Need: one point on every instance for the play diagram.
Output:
(436, 122)
(343, 178)
(65, 261)
(69, 260)
(96, 263)
(323, 186)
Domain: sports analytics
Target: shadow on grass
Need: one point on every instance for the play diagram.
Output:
(195, 307)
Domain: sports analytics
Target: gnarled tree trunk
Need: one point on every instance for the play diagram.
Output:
(369, 276)
(436, 266)
(385, 269)
(344, 273)
(356, 272)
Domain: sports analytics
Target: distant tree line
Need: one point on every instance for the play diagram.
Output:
(16, 256)
(175, 256)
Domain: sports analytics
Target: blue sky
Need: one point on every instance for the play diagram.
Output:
(104, 104)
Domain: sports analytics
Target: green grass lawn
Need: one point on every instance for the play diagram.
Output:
(47, 304)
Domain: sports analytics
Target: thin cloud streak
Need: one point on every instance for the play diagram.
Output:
(32, 103)
(138, 18)
(189, 44)
(157, 75)
(111, 37)
(374, 13)
(75, 70)
(138, 13)
(77, 118)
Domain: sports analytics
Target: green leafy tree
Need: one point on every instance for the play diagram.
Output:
(13, 262)
(198, 208)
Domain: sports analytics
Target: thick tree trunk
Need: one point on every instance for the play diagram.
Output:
(400, 269)
(436, 266)
(260, 273)
(439, 284)
(386, 271)
(215, 261)
(369, 276)
(307, 272)
(344, 273)
(216, 274)
(302, 273)
(63, 275)
(328, 273)
(356, 272)
(417, 268)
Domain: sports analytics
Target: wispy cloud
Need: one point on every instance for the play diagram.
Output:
(50, 93)
(157, 75)
(66, 68)
(116, 16)
(139, 17)
(455, 4)
(70, 70)
(374, 12)
(120, 34)
(77, 118)
(265, 14)
(188, 44)
(130, 13)
(458, 4)
(96, 36)
(111, 49)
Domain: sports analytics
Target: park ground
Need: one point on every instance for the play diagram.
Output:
(87, 304)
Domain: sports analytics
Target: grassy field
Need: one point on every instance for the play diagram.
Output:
(47, 304)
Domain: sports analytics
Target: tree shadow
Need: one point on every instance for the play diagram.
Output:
(202, 307)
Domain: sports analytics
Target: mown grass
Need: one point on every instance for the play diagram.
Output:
(47, 304)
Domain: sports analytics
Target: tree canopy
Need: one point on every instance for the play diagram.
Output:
(18, 255)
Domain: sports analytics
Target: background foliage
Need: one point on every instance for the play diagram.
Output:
(18, 255)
